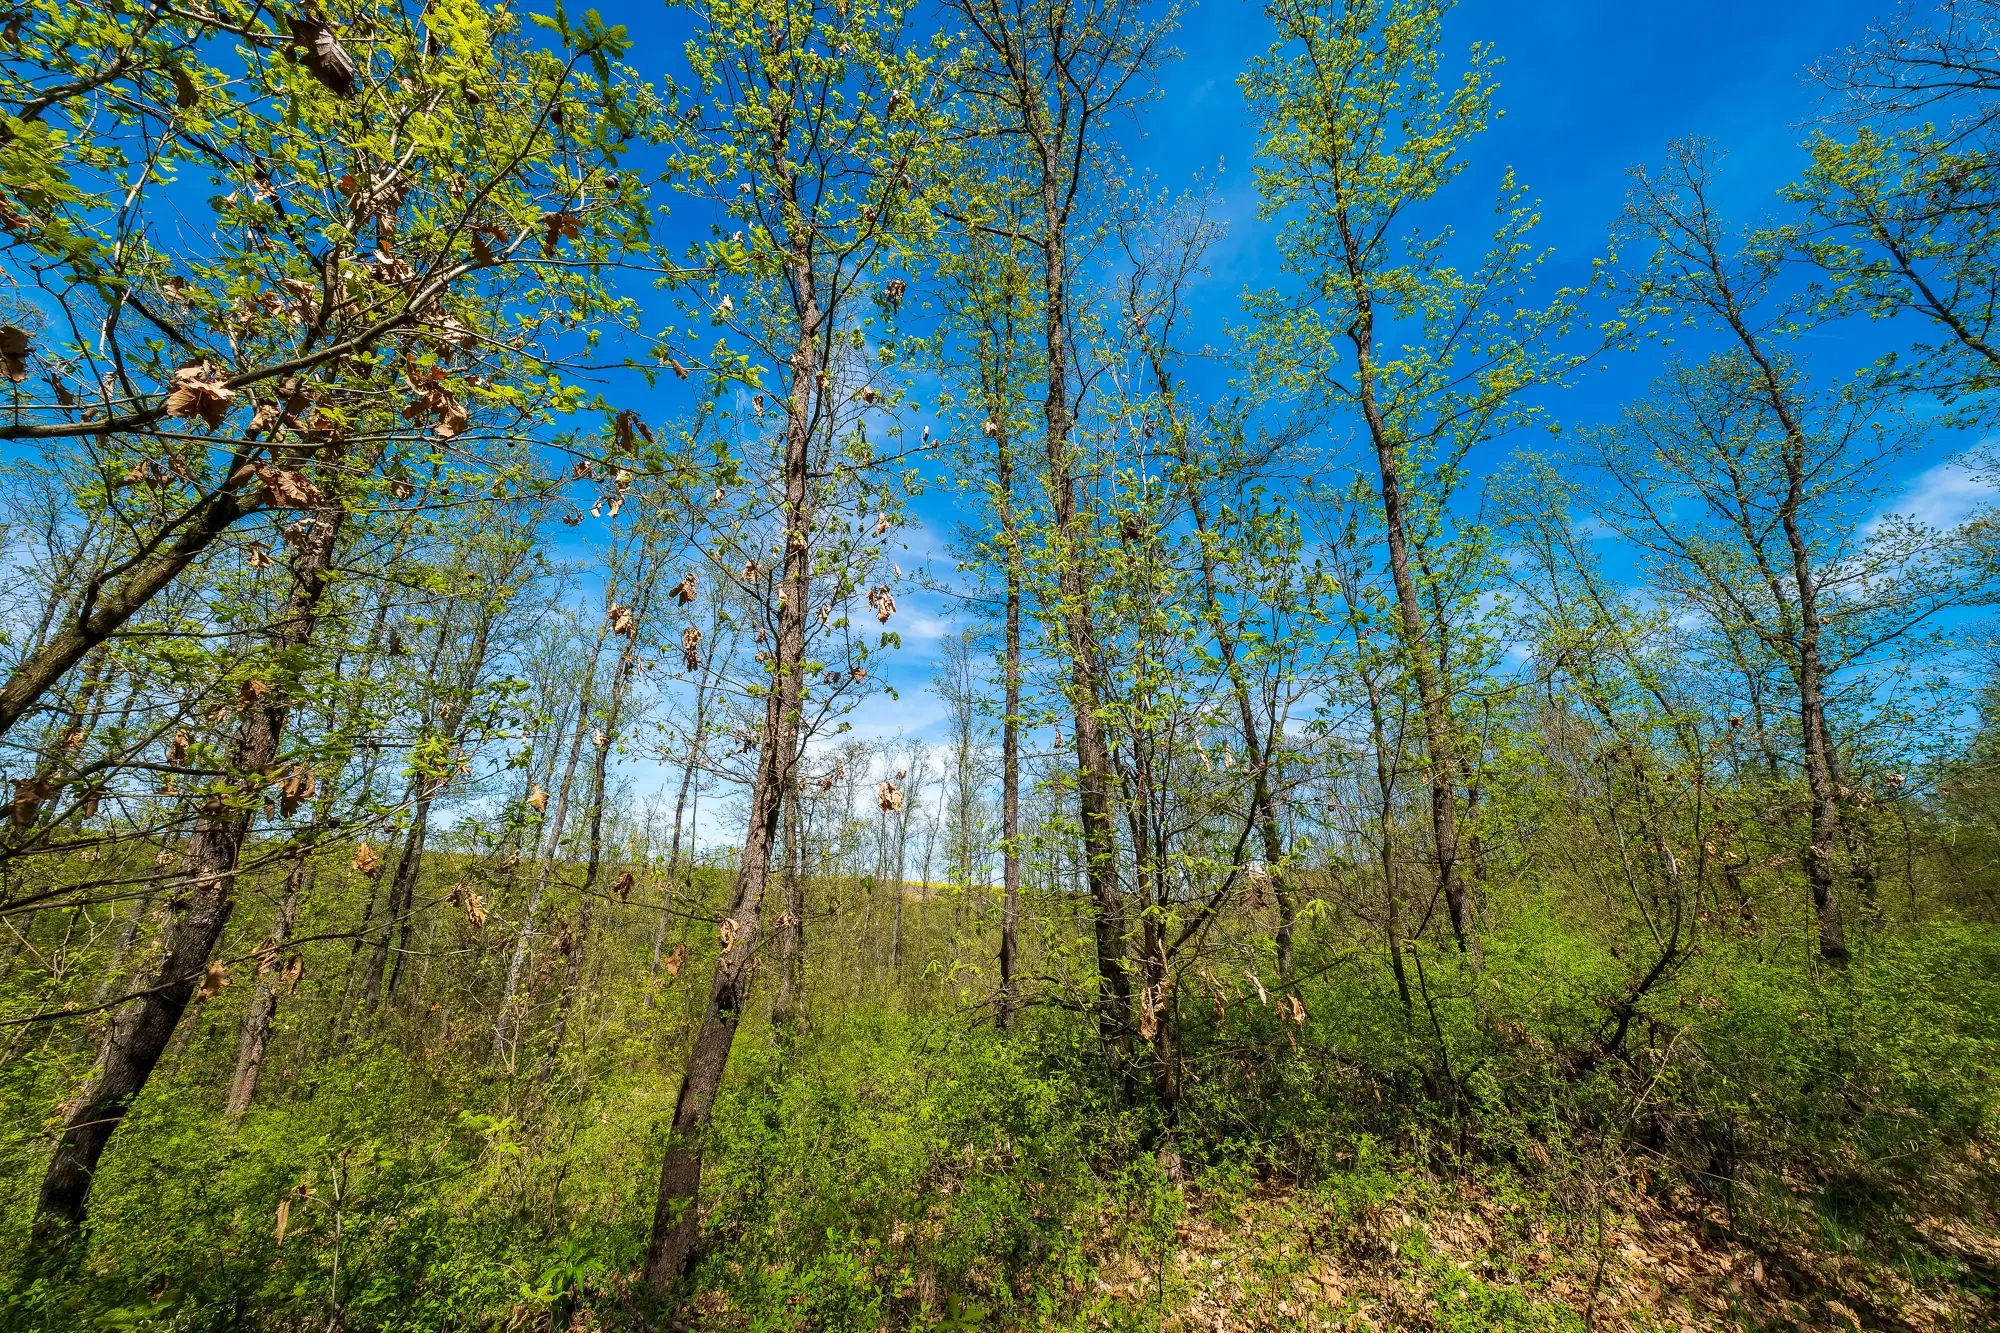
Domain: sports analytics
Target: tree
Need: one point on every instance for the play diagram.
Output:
(1358, 133)
(1750, 486)
(372, 219)
(814, 128)
(1049, 75)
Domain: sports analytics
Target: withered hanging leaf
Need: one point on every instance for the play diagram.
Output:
(284, 489)
(14, 352)
(430, 398)
(1298, 1010)
(453, 416)
(539, 799)
(198, 391)
(727, 934)
(367, 861)
(621, 621)
(295, 968)
(882, 602)
(29, 793)
(629, 426)
(686, 590)
(1263, 997)
(557, 227)
(324, 57)
(284, 1217)
(212, 982)
(473, 904)
(258, 555)
(297, 788)
(251, 694)
(889, 797)
(622, 886)
(691, 648)
(881, 524)
(892, 294)
(675, 959)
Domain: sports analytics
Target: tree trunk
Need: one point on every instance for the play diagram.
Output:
(263, 1009)
(1093, 751)
(1439, 746)
(787, 1007)
(139, 1036)
(1010, 755)
(676, 1217)
(545, 860)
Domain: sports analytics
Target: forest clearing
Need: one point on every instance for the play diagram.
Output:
(1035, 665)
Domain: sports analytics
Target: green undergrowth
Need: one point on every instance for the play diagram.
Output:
(881, 1170)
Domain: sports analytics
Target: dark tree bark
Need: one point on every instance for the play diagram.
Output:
(676, 1217)
(206, 894)
(263, 1009)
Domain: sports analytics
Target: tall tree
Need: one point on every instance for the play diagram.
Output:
(814, 128)
(1359, 131)
(1051, 75)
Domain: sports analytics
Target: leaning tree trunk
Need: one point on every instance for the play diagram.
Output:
(676, 1218)
(263, 1009)
(544, 863)
(138, 1038)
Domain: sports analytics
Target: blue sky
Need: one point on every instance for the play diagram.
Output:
(1587, 90)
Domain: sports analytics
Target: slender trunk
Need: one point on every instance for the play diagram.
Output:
(139, 1036)
(545, 861)
(1808, 666)
(263, 1009)
(621, 680)
(1093, 751)
(788, 1004)
(1010, 751)
(1258, 756)
(1385, 786)
(676, 1217)
(402, 891)
(1439, 745)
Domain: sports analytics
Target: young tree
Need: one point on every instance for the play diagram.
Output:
(1050, 75)
(1359, 132)
(1750, 486)
(813, 128)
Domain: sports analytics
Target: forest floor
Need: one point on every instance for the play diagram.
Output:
(1466, 1254)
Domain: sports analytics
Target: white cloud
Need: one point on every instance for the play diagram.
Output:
(1941, 496)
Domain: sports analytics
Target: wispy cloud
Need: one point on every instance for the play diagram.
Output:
(1942, 496)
